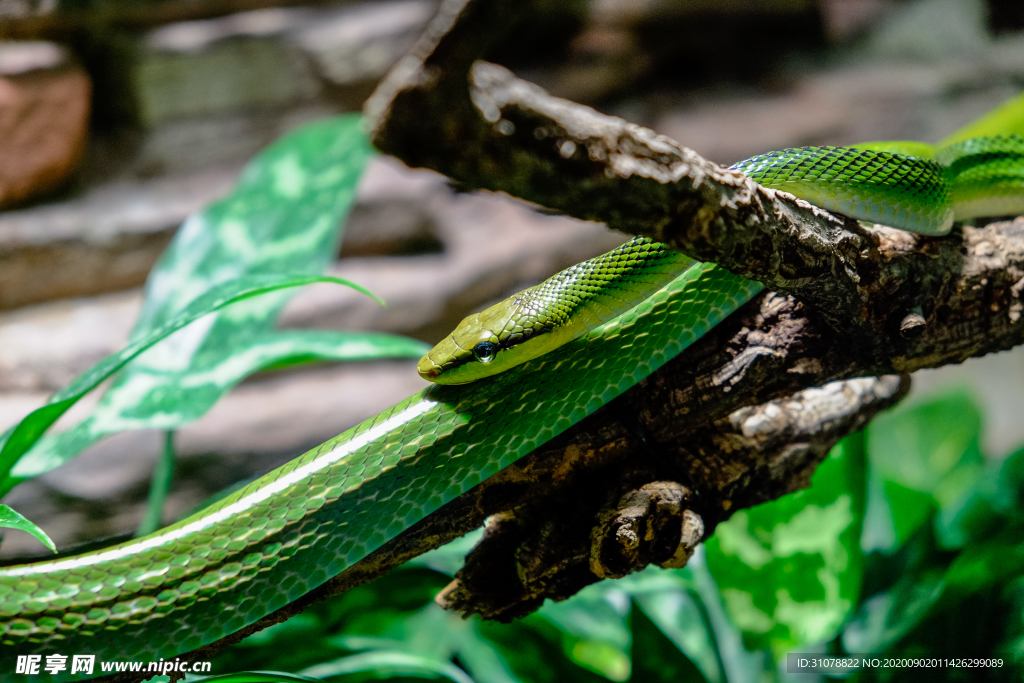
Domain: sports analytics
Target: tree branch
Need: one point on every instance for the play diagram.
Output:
(734, 420)
(872, 301)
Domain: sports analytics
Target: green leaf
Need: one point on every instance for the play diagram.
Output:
(19, 438)
(449, 558)
(789, 571)
(996, 499)
(274, 350)
(530, 650)
(947, 606)
(924, 459)
(9, 519)
(911, 509)
(885, 618)
(919, 446)
(596, 621)
(282, 217)
(984, 565)
(287, 348)
(484, 660)
(387, 664)
(673, 605)
(929, 601)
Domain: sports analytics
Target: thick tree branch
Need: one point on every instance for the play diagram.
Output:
(734, 420)
(874, 300)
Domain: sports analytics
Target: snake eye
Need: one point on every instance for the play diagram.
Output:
(485, 351)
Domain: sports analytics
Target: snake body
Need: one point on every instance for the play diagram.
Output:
(563, 349)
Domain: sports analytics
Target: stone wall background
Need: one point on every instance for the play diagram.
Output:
(120, 118)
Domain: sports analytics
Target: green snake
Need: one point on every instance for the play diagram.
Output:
(557, 352)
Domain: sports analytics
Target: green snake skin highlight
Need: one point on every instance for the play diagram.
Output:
(264, 546)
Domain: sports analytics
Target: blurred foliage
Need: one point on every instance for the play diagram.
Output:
(909, 543)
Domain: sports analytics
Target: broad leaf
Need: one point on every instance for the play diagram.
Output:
(789, 571)
(388, 664)
(19, 438)
(923, 459)
(256, 677)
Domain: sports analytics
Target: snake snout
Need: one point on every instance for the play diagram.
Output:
(428, 369)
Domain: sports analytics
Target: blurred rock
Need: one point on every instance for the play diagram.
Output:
(26, 8)
(216, 91)
(186, 145)
(361, 43)
(625, 42)
(108, 239)
(19, 57)
(44, 115)
(221, 65)
(632, 11)
(862, 100)
(929, 30)
(44, 347)
(103, 241)
(844, 19)
(604, 59)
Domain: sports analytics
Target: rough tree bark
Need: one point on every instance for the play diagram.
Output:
(733, 421)
(872, 300)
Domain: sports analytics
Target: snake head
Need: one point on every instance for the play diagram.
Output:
(492, 341)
